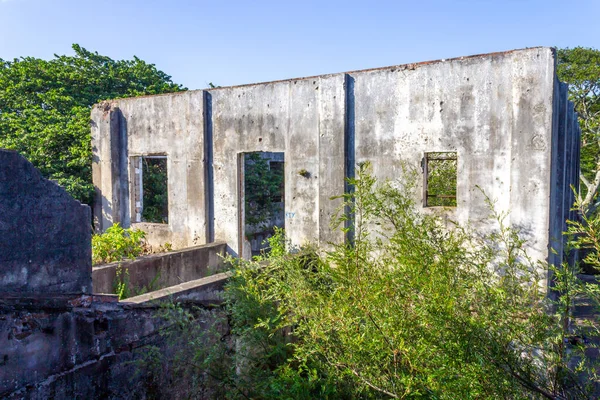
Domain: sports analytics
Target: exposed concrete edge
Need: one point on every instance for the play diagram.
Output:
(103, 104)
(157, 255)
(38, 174)
(64, 302)
(205, 291)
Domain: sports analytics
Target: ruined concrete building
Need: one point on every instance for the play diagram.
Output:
(502, 118)
(175, 165)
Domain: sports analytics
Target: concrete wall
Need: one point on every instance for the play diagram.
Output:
(302, 118)
(45, 235)
(566, 138)
(158, 271)
(92, 347)
(504, 115)
(495, 111)
(57, 341)
(172, 125)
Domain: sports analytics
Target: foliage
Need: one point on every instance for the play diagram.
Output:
(198, 362)
(580, 68)
(411, 310)
(122, 283)
(124, 288)
(263, 186)
(155, 186)
(45, 107)
(441, 179)
(117, 244)
(585, 237)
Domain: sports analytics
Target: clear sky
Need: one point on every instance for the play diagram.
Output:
(235, 42)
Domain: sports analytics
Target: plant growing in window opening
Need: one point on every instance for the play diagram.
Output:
(439, 170)
(155, 187)
(263, 189)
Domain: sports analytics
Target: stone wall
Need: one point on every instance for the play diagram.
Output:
(45, 235)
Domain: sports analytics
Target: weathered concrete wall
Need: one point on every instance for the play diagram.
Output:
(90, 347)
(302, 118)
(59, 342)
(170, 125)
(566, 137)
(45, 235)
(207, 291)
(495, 111)
(501, 113)
(159, 271)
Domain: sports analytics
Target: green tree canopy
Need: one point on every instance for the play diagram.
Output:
(45, 107)
(580, 68)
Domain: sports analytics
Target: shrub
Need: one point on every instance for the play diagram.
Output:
(408, 309)
(117, 244)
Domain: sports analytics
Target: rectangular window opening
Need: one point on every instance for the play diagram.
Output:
(263, 198)
(440, 176)
(151, 189)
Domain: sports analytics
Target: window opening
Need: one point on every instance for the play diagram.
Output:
(263, 197)
(440, 179)
(151, 189)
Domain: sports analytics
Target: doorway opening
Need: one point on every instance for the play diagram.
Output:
(262, 200)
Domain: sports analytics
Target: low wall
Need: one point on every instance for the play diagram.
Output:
(93, 347)
(57, 341)
(159, 271)
(205, 291)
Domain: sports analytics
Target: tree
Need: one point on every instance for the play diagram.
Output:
(580, 68)
(45, 107)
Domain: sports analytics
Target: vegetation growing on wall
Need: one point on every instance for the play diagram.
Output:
(45, 108)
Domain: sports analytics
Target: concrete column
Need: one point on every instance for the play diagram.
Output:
(105, 165)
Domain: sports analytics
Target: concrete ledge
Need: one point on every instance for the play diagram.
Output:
(10, 303)
(157, 271)
(206, 291)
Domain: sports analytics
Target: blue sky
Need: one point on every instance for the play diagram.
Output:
(236, 42)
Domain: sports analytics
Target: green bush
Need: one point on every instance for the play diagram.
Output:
(409, 309)
(117, 244)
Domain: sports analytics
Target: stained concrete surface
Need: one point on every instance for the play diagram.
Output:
(45, 235)
(505, 115)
